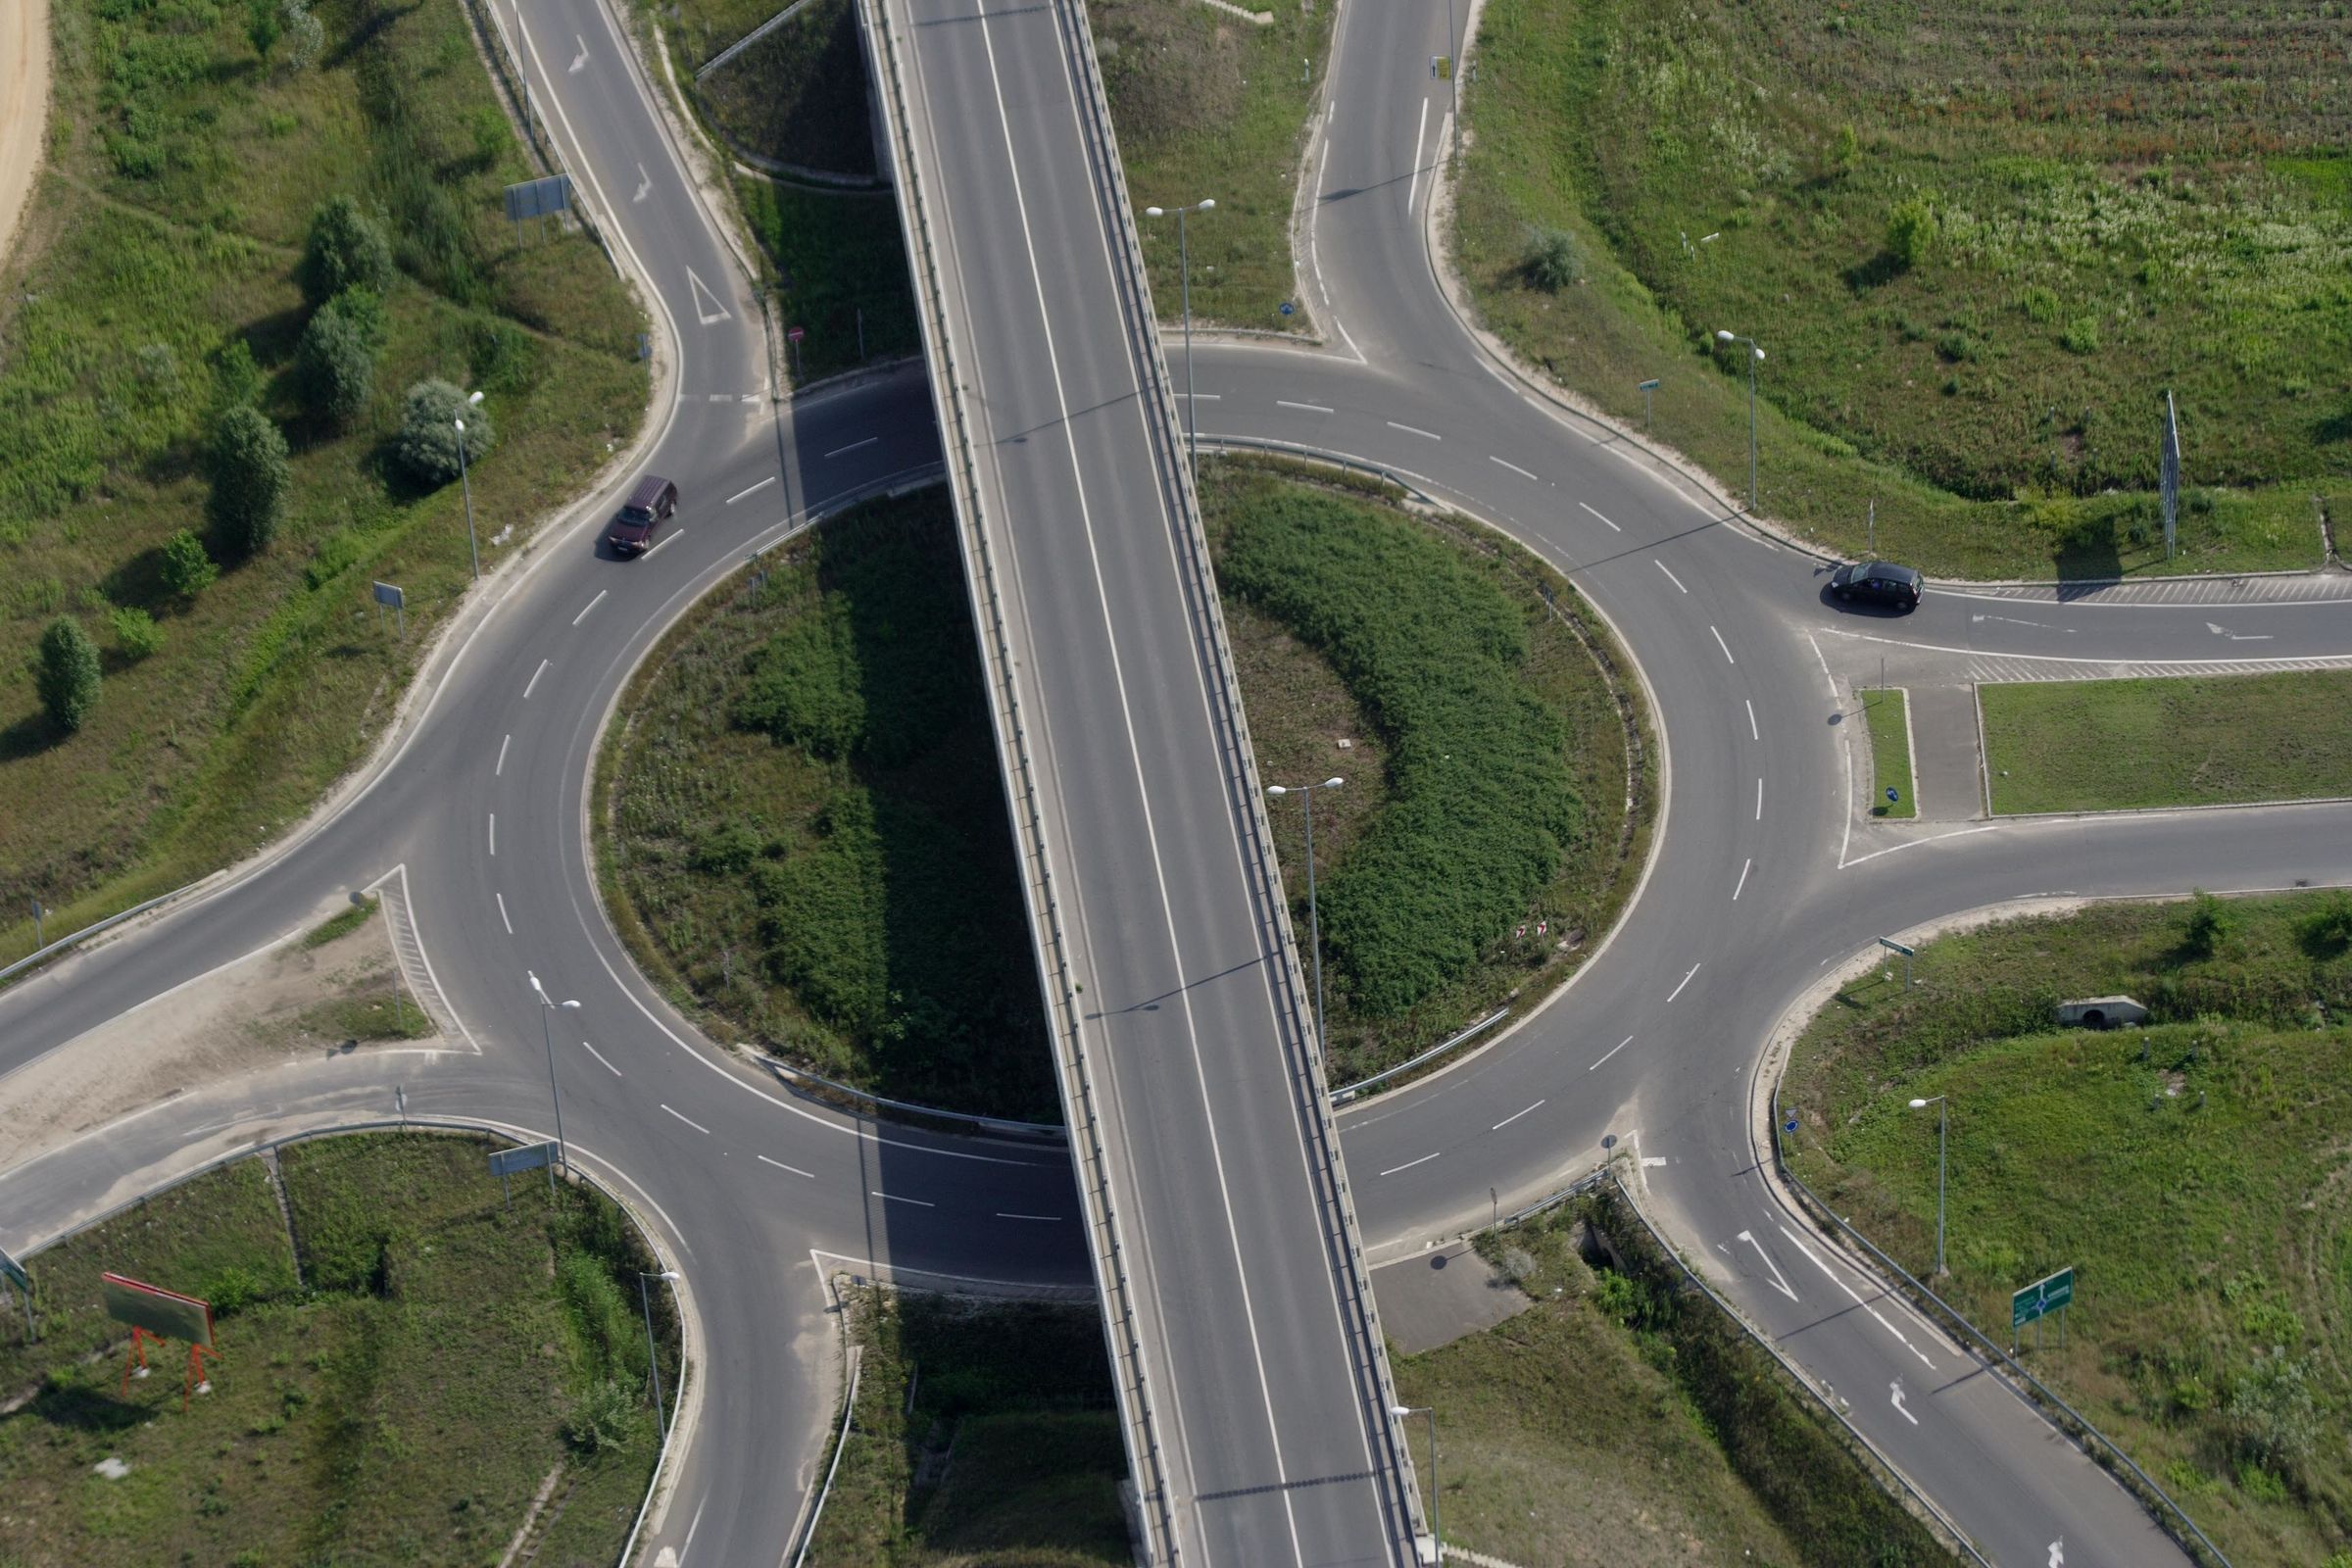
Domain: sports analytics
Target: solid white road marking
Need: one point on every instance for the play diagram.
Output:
(1050, 1218)
(750, 490)
(600, 1057)
(688, 1120)
(1513, 467)
(533, 684)
(780, 1165)
(502, 755)
(579, 61)
(502, 913)
(494, 835)
(1514, 1117)
(1670, 576)
(1857, 1300)
(1410, 1163)
(1743, 871)
(1754, 733)
(1414, 429)
(1311, 408)
(701, 292)
(1781, 1283)
(1420, 131)
(691, 1525)
(893, 1197)
(1613, 529)
(1678, 990)
(645, 184)
(853, 446)
(592, 604)
(1759, 799)
(1726, 647)
(1896, 1398)
(1612, 1051)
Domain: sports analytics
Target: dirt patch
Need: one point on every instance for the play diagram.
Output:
(23, 106)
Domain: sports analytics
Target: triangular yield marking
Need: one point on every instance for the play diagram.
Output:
(707, 309)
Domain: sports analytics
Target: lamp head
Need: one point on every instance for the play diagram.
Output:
(575, 1003)
(1333, 783)
(1155, 211)
(1722, 336)
(1919, 1105)
(1276, 789)
(460, 425)
(476, 398)
(1207, 204)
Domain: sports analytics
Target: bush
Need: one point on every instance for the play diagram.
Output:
(250, 479)
(335, 365)
(68, 673)
(2328, 928)
(188, 569)
(136, 633)
(2081, 335)
(1912, 230)
(307, 36)
(264, 25)
(346, 249)
(1550, 260)
(427, 447)
(2211, 924)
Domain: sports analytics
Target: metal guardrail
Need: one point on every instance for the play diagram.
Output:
(848, 1414)
(49, 949)
(2068, 1421)
(1347, 1092)
(801, 1079)
(509, 61)
(1132, 1379)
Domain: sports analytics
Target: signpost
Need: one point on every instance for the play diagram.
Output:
(2055, 1293)
(530, 1156)
(793, 336)
(1647, 388)
(14, 1272)
(390, 594)
(2172, 474)
(1890, 943)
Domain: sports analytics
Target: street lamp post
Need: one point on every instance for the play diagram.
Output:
(1435, 1498)
(1754, 355)
(1942, 1125)
(1314, 924)
(546, 1006)
(1184, 270)
(467, 485)
(653, 1356)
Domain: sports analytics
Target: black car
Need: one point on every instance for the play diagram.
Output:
(1881, 582)
(642, 515)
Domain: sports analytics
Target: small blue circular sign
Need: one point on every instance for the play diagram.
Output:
(1891, 795)
(1288, 307)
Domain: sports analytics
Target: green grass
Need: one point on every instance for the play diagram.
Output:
(340, 924)
(2207, 740)
(1620, 1419)
(369, 1016)
(1887, 713)
(799, 95)
(697, 29)
(2092, 177)
(140, 267)
(2195, 1174)
(1010, 1407)
(403, 1406)
(834, 257)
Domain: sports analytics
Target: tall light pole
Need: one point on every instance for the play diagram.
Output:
(1184, 270)
(1755, 356)
(1314, 924)
(467, 485)
(1942, 1125)
(653, 1356)
(546, 1006)
(1435, 1498)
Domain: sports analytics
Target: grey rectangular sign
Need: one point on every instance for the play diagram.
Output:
(530, 1156)
(13, 1271)
(536, 198)
(1889, 942)
(389, 594)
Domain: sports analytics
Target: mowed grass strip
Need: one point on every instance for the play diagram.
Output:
(2192, 1173)
(2203, 740)
(798, 95)
(1886, 712)
(403, 1399)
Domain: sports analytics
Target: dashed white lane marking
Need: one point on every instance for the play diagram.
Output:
(715, 397)
(1513, 467)
(592, 604)
(1726, 647)
(1743, 871)
(502, 913)
(688, 1120)
(494, 835)
(1202, 397)
(1754, 733)
(503, 742)
(1613, 529)
(1778, 1279)
(1678, 990)
(532, 684)
(1410, 1163)
(1858, 1301)
(853, 446)
(1048, 1218)
(1669, 571)
(1759, 799)
(600, 1057)
(780, 1165)
(753, 489)
(1414, 429)
(1514, 1117)
(1311, 408)
(1420, 131)
(1612, 1051)
(660, 543)
(893, 1197)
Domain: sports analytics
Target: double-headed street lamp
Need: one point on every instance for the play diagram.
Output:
(1184, 270)
(1756, 354)
(1314, 926)
(546, 1006)
(653, 1356)
(1942, 1125)
(1435, 1499)
(467, 485)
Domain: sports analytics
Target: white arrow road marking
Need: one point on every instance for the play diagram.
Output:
(1749, 1236)
(702, 292)
(579, 61)
(2238, 637)
(1897, 1398)
(667, 1557)
(2058, 1552)
(645, 184)
(1858, 1301)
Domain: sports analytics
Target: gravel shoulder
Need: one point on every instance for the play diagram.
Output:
(24, 108)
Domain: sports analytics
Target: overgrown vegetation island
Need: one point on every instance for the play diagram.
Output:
(261, 226)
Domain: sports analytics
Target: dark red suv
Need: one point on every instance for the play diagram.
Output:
(642, 515)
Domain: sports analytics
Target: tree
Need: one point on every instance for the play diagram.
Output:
(1912, 230)
(262, 27)
(250, 479)
(334, 364)
(428, 435)
(67, 675)
(188, 569)
(346, 249)
(1550, 260)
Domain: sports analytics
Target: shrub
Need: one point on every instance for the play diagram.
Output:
(1844, 148)
(334, 366)
(235, 378)
(1550, 262)
(2081, 335)
(264, 25)
(67, 674)
(346, 249)
(307, 36)
(2328, 928)
(2210, 924)
(188, 569)
(249, 477)
(364, 309)
(1911, 230)
(602, 1420)
(135, 631)
(427, 447)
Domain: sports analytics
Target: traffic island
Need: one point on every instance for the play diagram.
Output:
(1886, 714)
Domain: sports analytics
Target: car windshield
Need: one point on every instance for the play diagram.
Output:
(636, 514)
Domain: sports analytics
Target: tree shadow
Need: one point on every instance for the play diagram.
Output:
(2337, 426)
(1877, 272)
(27, 735)
(375, 22)
(139, 583)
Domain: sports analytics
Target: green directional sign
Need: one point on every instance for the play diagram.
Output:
(2040, 1297)
(14, 1272)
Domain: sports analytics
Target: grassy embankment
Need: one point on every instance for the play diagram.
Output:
(804, 839)
(1887, 713)
(2195, 1174)
(2102, 746)
(2118, 205)
(158, 253)
(403, 1399)
(1007, 1454)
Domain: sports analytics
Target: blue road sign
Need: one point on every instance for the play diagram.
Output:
(1891, 795)
(1790, 1125)
(1288, 307)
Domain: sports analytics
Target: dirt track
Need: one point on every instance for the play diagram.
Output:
(23, 106)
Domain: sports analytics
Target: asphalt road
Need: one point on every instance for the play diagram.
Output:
(1763, 876)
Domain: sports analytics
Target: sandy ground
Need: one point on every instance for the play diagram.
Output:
(237, 1019)
(23, 106)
